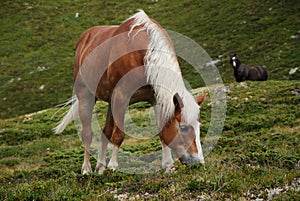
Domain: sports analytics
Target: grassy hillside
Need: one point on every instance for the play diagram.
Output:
(38, 40)
(258, 153)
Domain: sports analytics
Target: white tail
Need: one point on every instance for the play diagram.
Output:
(68, 118)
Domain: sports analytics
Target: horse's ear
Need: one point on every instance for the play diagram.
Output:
(201, 98)
(177, 100)
(232, 55)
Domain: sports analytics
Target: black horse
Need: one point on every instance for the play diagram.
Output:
(243, 72)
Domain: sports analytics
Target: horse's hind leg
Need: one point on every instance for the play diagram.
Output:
(105, 137)
(86, 105)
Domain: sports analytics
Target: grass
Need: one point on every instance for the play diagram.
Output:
(38, 41)
(259, 147)
(258, 150)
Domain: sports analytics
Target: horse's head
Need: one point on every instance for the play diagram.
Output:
(234, 61)
(182, 137)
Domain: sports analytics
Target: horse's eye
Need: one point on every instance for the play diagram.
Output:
(183, 128)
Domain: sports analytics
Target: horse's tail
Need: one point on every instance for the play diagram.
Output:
(68, 118)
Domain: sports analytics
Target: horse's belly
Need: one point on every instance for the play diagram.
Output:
(145, 93)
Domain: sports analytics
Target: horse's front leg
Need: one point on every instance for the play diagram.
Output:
(86, 105)
(119, 103)
(167, 159)
(105, 137)
(117, 139)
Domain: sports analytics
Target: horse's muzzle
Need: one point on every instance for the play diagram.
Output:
(188, 159)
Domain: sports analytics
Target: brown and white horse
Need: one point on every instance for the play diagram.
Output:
(129, 63)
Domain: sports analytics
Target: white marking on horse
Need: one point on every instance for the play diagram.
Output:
(113, 163)
(233, 61)
(234, 64)
(167, 160)
(198, 143)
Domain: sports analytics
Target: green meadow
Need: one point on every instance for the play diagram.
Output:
(257, 156)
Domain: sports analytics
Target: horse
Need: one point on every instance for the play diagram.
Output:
(243, 72)
(125, 64)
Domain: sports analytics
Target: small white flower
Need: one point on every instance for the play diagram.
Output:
(11, 80)
(42, 87)
(293, 70)
(294, 36)
(41, 68)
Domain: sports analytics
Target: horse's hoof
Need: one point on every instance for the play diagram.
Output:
(113, 165)
(170, 170)
(114, 168)
(100, 169)
(86, 169)
(84, 172)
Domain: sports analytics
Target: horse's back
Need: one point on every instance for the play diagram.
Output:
(106, 53)
(257, 73)
(90, 39)
(128, 48)
(113, 43)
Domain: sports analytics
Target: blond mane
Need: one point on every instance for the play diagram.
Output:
(163, 71)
